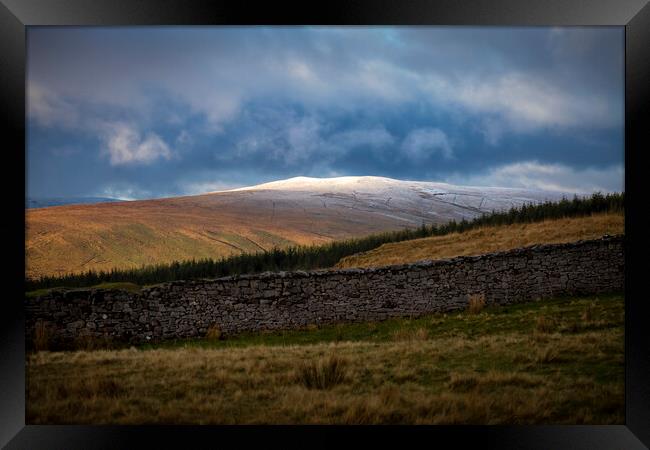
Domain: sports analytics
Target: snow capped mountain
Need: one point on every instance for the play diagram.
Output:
(409, 201)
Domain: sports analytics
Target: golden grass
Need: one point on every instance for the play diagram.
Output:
(322, 374)
(42, 336)
(544, 324)
(384, 384)
(213, 333)
(489, 239)
(476, 303)
(406, 334)
(507, 377)
(587, 315)
(75, 238)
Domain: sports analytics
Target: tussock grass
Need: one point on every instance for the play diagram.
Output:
(468, 381)
(42, 336)
(322, 374)
(546, 355)
(544, 324)
(476, 303)
(408, 334)
(92, 389)
(214, 333)
(87, 342)
(491, 368)
(587, 315)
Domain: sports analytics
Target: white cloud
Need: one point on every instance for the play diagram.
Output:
(381, 79)
(196, 188)
(492, 130)
(123, 192)
(125, 146)
(301, 71)
(527, 103)
(303, 138)
(218, 107)
(49, 109)
(423, 142)
(518, 102)
(122, 142)
(551, 177)
(133, 191)
(292, 141)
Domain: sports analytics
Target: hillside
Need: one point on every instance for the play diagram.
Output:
(489, 239)
(78, 238)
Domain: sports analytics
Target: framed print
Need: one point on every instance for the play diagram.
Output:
(425, 215)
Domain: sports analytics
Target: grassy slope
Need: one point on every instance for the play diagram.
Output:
(489, 239)
(558, 361)
(75, 238)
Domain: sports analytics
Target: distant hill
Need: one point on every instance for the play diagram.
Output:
(44, 202)
(101, 236)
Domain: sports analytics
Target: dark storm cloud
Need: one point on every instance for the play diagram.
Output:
(140, 112)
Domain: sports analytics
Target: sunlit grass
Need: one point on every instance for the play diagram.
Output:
(489, 239)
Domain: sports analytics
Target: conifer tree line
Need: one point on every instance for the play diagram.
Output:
(327, 255)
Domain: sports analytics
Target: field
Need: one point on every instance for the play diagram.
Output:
(559, 361)
(490, 239)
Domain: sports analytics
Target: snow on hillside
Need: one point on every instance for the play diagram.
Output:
(409, 201)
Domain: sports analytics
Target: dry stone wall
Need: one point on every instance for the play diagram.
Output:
(284, 300)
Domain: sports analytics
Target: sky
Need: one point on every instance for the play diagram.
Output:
(146, 112)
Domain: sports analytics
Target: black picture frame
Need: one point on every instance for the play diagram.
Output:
(16, 15)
